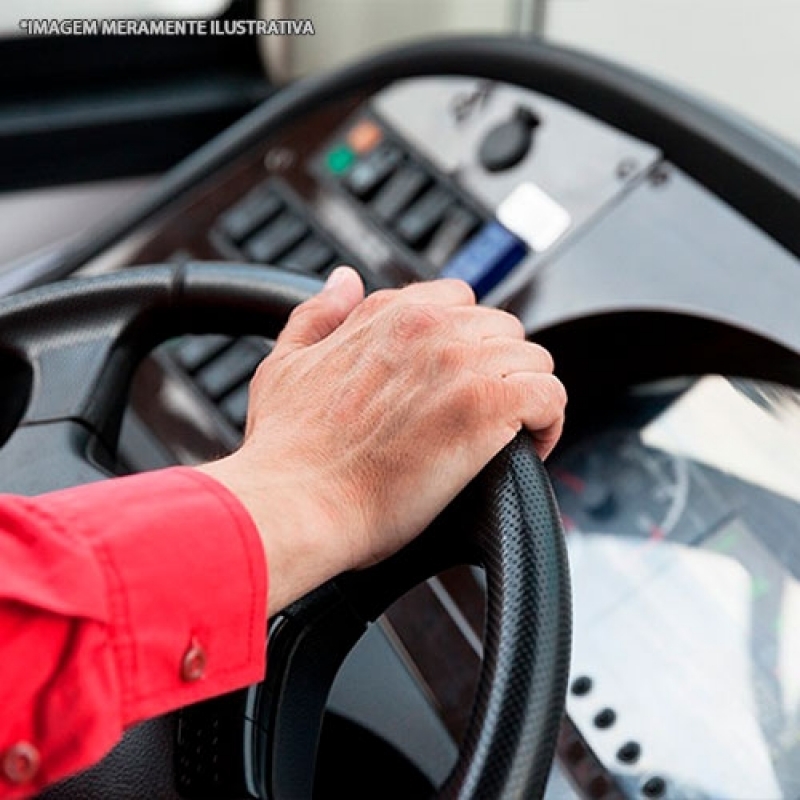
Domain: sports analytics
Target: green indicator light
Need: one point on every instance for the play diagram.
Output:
(339, 159)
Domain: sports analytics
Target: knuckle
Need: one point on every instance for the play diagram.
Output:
(375, 302)
(512, 324)
(409, 323)
(461, 289)
(553, 392)
(543, 357)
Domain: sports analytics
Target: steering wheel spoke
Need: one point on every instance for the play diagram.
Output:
(82, 341)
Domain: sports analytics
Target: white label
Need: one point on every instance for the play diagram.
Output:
(533, 216)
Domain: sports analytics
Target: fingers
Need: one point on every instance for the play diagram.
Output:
(318, 317)
(503, 358)
(411, 318)
(481, 323)
(445, 293)
(539, 401)
(448, 330)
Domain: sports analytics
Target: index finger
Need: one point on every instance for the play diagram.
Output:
(441, 292)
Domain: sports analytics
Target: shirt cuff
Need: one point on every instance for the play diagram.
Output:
(186, 581)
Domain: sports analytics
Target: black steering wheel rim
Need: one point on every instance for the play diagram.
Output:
(99, 328)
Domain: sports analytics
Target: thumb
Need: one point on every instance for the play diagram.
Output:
(320, 316)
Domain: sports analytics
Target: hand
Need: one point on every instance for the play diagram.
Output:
(369, 416)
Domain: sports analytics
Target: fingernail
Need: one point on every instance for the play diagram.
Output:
(336, 278)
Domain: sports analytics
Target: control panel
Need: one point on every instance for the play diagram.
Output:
(539, 169)
(270, 225)
(472, 180)
(437, 226)
(682, 515)
(431, 177)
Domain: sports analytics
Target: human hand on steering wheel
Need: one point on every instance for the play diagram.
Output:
(370, 416)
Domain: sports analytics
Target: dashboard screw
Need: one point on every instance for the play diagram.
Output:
(660, 175)
(626, 168)
(279, 159)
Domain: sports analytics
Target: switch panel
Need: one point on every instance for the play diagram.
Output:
(488, 139)
(422, 213)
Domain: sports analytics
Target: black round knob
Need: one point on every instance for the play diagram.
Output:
(605, 718)
(629, 752)
(508, 143)
(654, 787)
(581, 686)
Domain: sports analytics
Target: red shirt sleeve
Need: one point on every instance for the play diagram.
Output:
(120, 601)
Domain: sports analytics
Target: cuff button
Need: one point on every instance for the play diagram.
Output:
(193, 666)
(20, 762)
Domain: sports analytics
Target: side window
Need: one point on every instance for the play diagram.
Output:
(85, 108)
(741, 54)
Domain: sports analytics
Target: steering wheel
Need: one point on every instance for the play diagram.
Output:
(70, 350)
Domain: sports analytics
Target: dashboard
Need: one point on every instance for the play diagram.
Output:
(679, 494)
(682, 513)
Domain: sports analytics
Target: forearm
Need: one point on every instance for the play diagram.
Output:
(120, 601)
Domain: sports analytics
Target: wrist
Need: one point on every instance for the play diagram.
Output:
(301, 547)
